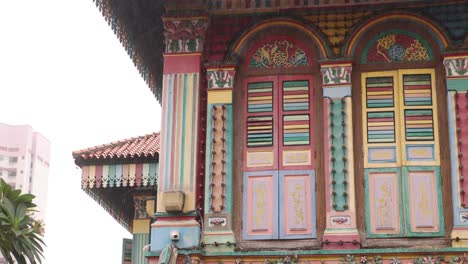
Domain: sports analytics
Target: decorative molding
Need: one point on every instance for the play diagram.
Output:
(117, 175)
(337, 74)
(338, 150)
(456, 67)
(397, 46)
(340, 220)
(218, 159)
(184, 35)
(279, 54)
(461, 130)
(220, 78)
(463, 217)
(217, 221)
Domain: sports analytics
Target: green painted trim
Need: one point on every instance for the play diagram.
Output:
(209, 142)
(164, 214)
(139, 241)
(182, 145)
(339, 201)
(341, 252)
(369, 234)
(403, 32)
(408, 232)
(460, 85)
(229, 154)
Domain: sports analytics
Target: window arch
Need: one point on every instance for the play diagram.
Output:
(278, 141)
(399, 91)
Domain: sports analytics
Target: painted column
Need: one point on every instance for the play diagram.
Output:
(340, 232)
(456, 69)
(218, 234)
(176, 203)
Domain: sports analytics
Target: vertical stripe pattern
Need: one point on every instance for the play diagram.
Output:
(380, 127)
(296, 130)
(295, 95)
(260, 97)
(417, 89)
(179, 137)
(379, 92)
(259, 131)
(139, 241)
(419, 125)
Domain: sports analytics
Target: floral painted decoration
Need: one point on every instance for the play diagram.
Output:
(397, 47)
(278, 54)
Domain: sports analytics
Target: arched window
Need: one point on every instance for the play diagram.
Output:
(278, 143)
(402, 174)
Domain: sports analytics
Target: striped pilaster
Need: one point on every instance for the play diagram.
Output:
(340, 229)
(141, 228)
(180, 134)
(218, 180)
(456, 69)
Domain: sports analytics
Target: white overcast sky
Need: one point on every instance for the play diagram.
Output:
(63, 71)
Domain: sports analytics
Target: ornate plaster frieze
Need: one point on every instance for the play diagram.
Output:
(184, 35)
(336, 74)
(279, 54)
(219, 78)
(456, 66)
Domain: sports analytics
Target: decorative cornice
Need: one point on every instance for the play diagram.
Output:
(220, 78)
(336, 74)
(184, 35)
(456, 66)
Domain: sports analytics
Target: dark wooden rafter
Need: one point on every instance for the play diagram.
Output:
(138, 26)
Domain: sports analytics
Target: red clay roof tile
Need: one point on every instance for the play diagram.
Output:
(143, 146)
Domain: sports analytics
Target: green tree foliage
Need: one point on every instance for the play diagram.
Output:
(20, 233)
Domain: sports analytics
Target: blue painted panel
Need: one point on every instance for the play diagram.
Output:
(373, 156)
(273, 204)
(429, 147)
(337, 92)
(283, 234)
(189, 236)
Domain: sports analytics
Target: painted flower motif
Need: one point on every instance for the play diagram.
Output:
(364, 259)
(395, 261)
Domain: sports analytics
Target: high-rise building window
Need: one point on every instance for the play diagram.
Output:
(12, 173)
(13, 159)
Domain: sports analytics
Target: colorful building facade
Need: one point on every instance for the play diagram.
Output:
(313, 131)
(121, 177)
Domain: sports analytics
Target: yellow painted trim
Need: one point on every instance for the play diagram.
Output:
(326, 65)
(141, 226)
(181, 54)
(434, 118)
(263, 26)
(350, 163)
(456, 57)
(150, 207)
(220, 69)
(174, 223)
(364, 120)
(220, 96)
(399, 107)
(189, 203)
(460, 234)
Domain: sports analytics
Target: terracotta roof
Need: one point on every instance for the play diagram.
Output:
(143, 146)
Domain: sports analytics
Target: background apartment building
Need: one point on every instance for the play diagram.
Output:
(24, 162)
